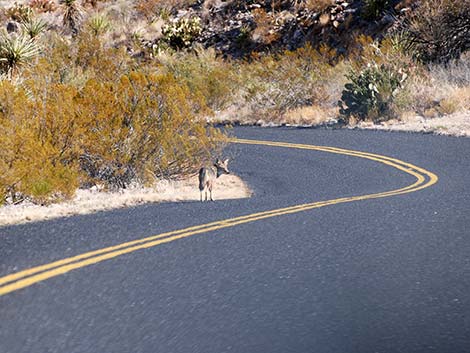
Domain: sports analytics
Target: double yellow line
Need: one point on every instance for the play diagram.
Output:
(25, 278)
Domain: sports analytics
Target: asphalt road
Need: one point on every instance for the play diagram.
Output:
(389, 274)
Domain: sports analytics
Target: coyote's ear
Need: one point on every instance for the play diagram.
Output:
(226, 161)
(217, 161)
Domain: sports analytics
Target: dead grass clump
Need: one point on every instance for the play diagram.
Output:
(458, 100)
(309, 115)
(440, 90)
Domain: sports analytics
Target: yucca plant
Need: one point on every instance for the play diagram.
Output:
(33, 27)
(99, 24)
(16, 52)
(73, 14)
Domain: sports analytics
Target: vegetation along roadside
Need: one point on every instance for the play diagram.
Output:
(115, 95)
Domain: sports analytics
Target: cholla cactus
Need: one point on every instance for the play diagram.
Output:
(183, 32)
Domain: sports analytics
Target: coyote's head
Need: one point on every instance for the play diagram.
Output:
(222, 167)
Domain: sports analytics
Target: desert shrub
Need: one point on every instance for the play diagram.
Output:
(96, 60)
(441, 88)
(275, 84)
(85, 113)
(208, 77)
(183, 32)
(40, 138)
(145, 127)
(56, 137)
(42, 5)
(455, 72)
(371, 92)
(438, 30)
(375, 8)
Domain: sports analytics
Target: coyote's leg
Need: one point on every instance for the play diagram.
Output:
(210, 190)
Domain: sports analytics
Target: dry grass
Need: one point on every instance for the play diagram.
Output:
(309, 115)
(303, 116)
(90, 201)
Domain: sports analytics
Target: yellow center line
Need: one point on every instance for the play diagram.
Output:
(25, 278)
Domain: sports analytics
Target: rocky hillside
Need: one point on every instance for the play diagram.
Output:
(236, 28)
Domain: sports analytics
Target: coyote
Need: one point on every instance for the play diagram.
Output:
(207, 176)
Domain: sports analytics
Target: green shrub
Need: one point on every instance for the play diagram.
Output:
(40, 136)
(370, 93)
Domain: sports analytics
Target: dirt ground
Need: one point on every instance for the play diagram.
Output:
(89, 201)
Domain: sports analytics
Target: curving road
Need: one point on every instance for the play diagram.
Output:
(337, 251)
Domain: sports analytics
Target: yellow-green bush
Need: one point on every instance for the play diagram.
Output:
(145, 127)
(40, 136)
(130, 128)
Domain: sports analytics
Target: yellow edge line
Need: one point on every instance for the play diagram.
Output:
(37, 274)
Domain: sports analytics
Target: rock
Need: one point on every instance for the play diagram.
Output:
(12, 27)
